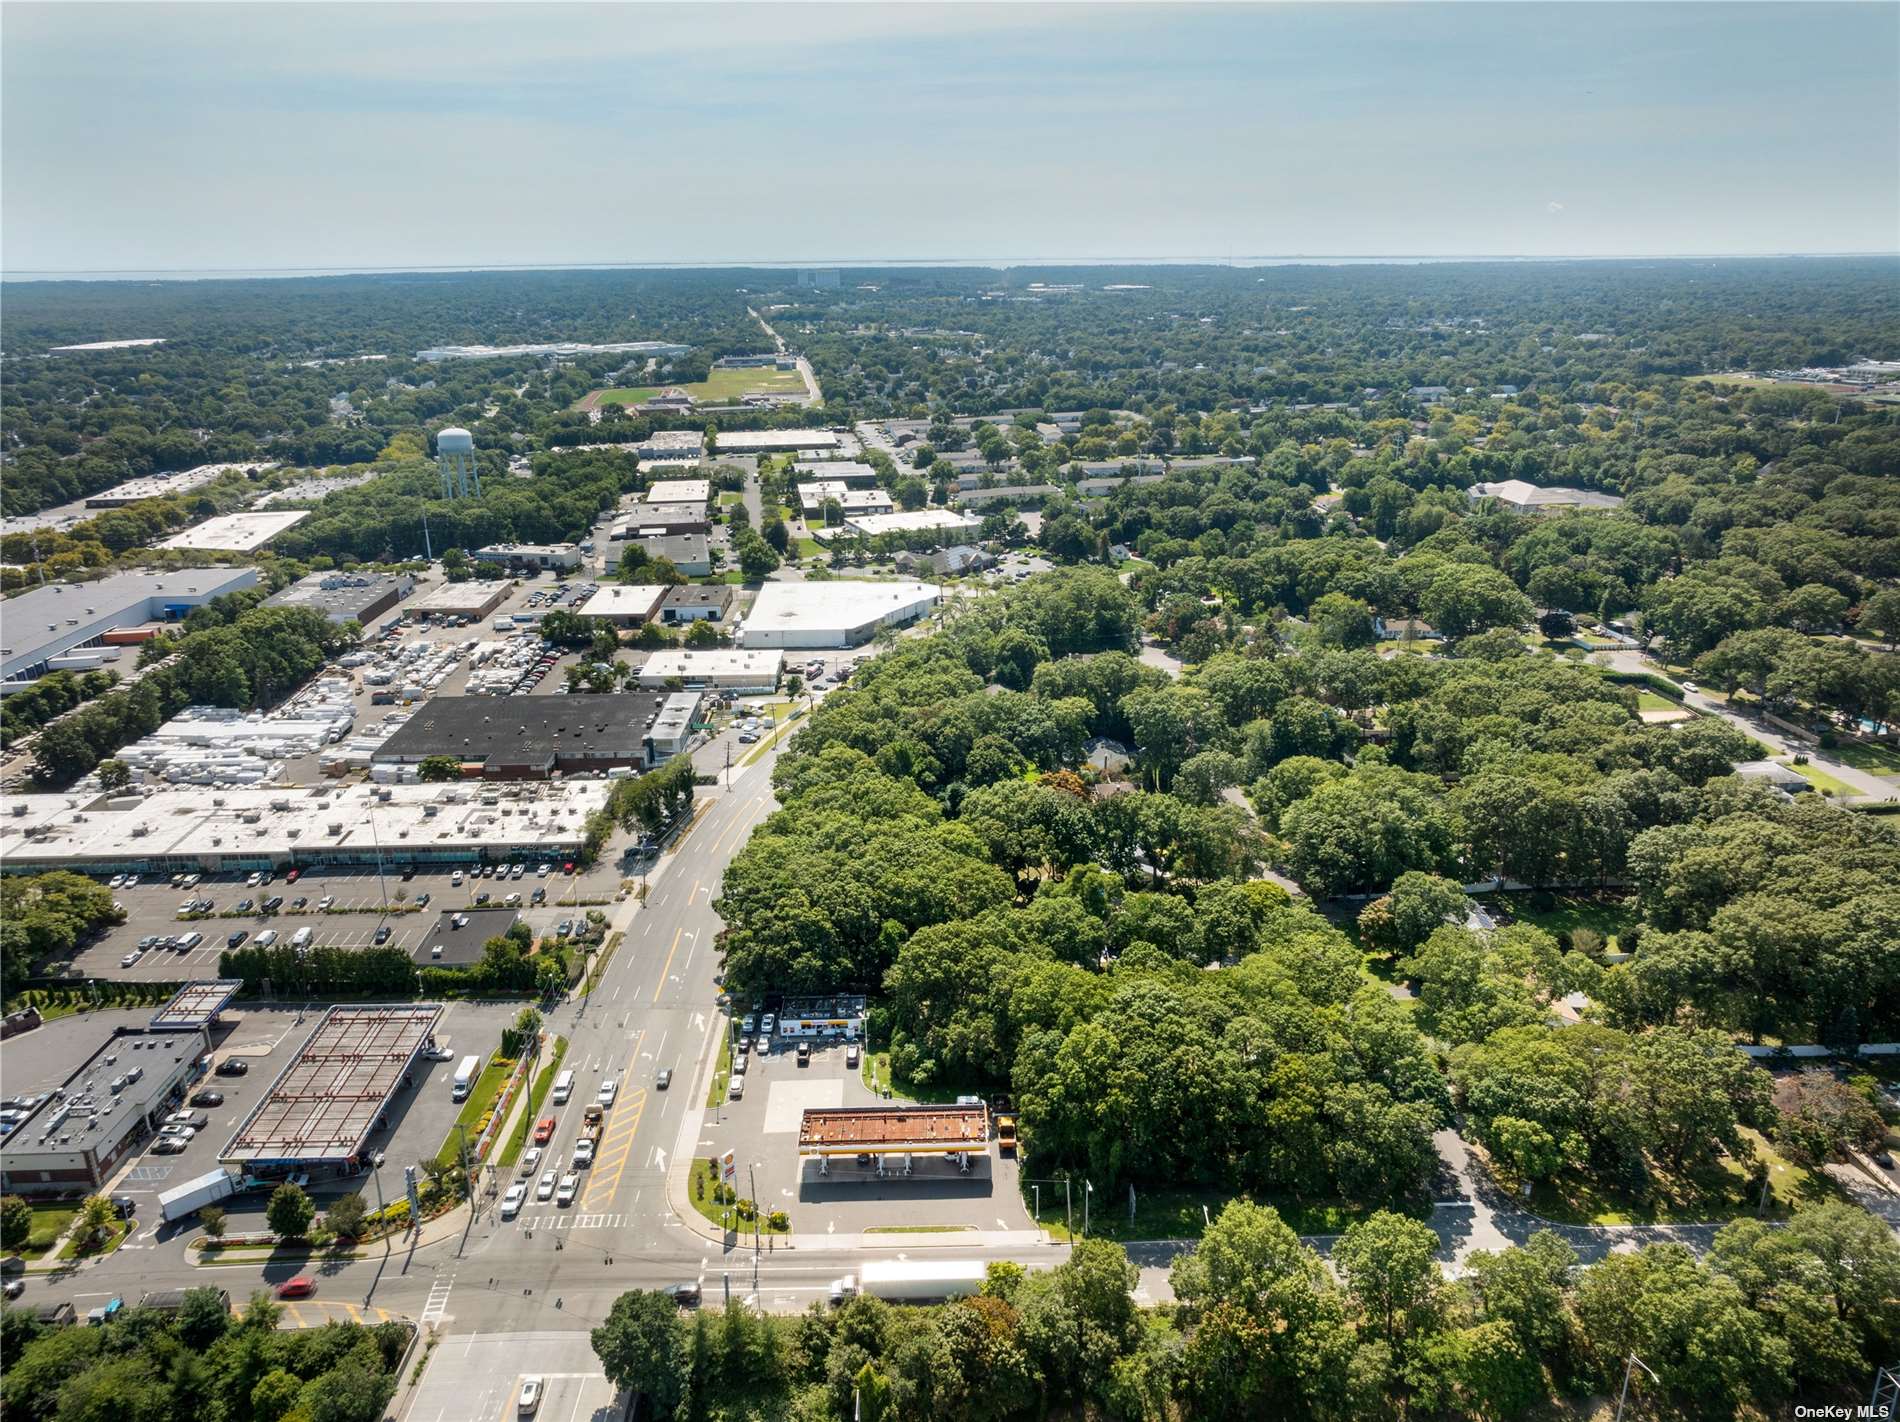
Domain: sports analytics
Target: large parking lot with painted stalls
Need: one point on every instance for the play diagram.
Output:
(808, 1057)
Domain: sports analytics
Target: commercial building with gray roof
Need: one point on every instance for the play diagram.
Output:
(59, 617)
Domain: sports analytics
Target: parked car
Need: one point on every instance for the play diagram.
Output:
(382, 935)
(207, 1098)
(130, 959)
(804, 1053)
(237, 938)
(233, 1066)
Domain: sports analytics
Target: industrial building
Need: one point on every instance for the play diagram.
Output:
(236, 533)
(473, 599)
(812, 497)
(669, 445)
(323, 1107)
(749, 671)
(1030, 494)
(42, 626)
(671, 731)
(533, 737)
(774, 441)
(835, 613)
(912, 521)
(562, 557)
(846, 471)
(88, 1119)
(174, 831)
(1520, 497)
(691, 553)
(679, 491)
(625, 606)
(698, 602)
(346, 597)
(644, 518)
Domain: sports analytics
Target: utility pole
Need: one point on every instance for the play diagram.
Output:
(1087, 1191)
(1629, 1366)
(1068, 1212)
(752, 1184)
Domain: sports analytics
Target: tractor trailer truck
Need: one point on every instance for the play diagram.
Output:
(208, 1189)
(912, 1280)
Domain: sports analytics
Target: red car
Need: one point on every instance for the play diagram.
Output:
(301, 1287)
(293, 876)
(544, 1130)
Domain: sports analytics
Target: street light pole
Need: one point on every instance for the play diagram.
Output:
(1087, 1190)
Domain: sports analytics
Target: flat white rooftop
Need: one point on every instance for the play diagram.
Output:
(834, 613)
(159, 486)
(639, 600)
(756, 664)
(745, 441)
(114, 345)
(679, 491)
(280, 824)
(238, 532)
(913, 521)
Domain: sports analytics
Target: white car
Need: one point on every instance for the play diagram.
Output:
(254, 881)
(131, 959)
(511, 1202)
(117, 881)
(570, 1187)
(530, 1397)
(545, 1190)
(735, 1089)
(456, 878)
(583, 1153)
(544, 871)
(530, 1162)
(608, 1090)
(768, 1024)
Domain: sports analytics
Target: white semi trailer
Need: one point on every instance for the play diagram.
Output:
(912, 1280)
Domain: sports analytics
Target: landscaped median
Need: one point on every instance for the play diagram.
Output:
(537, 1093)
(476, 1112)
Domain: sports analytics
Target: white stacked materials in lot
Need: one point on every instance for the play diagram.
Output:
(215, 745)
(355, 753)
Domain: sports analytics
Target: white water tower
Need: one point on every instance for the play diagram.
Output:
(455, 456)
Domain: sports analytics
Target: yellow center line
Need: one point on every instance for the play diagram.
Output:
(607, 1178)
(677, 933)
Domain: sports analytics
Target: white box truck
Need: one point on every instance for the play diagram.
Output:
(193, 1195)
(912, 1280)
(466, 1071)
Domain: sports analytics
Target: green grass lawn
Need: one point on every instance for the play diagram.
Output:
(728, 497)
(1608, 916)
(1172, 1214)
(49, 1223)
(480, 1100)
(716, 1093)
(876, 1070)
(1650, 701)
(1721, 1192)
(120, 1232)
(705, 1175)
(719, 387)
(543, 1083)
(1822, 781)
(1875, 760)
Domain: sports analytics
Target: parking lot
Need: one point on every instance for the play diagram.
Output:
(266, 1039)
(353, 918)
(762, 1128)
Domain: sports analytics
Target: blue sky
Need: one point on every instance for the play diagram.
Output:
(155, 136)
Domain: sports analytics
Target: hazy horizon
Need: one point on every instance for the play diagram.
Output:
(150, 140)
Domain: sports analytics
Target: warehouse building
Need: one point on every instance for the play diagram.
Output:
(77, 1123)
(1028, 495)
(533, 737)
(625, 606)
(775, 441)
(846, 471)
(277, 828)
(346, 597)
(664, 445)
(749, 671)
(835, 613)
(697, 492)
(165, 486)
(562, 557)
(42, 626)
(236, 533)
(698, 602)
(812, 497)
(691, 553)
(1525, 498)
(473, 600)
(912, 521)
(643, 518)
(321, 1111)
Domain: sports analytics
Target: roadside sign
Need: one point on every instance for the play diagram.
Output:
(729, 1168)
